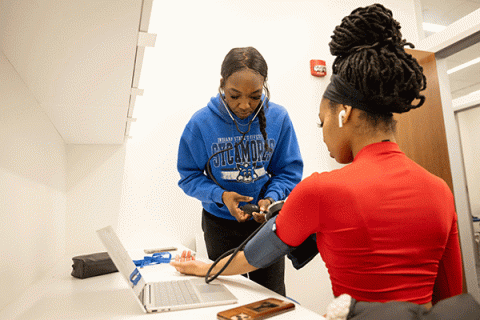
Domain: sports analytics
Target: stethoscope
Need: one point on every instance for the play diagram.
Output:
(243, 133)
(236, 123)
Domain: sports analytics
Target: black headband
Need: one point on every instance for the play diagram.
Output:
(340, 91)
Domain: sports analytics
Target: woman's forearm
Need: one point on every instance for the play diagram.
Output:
(187, 264)
(239, 265)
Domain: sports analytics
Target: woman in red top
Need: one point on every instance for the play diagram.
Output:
(385, 227)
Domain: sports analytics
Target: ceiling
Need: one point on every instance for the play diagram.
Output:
(83, 63)
(444, 13)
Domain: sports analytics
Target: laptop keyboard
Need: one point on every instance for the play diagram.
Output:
(174, 293)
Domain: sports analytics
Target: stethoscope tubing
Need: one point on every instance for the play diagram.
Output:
(243, 133)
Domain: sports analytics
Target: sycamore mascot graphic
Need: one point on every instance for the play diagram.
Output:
(243, 163)
(246, 173)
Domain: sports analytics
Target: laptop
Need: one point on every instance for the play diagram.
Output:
(167, 295)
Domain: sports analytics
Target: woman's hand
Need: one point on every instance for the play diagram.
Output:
(263, 205)
(231, 200)
(187, 264)
(260, 217)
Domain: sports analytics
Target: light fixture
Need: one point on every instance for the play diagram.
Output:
(463, 66)
(432, 27)
(474, 93)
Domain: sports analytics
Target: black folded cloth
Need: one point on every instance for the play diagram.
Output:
(91, 265)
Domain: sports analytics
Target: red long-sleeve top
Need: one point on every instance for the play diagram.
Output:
(386, 228)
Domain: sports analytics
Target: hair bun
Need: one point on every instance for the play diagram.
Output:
(370, 56)
(366, 28)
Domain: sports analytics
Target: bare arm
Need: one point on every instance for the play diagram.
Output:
(187, 264)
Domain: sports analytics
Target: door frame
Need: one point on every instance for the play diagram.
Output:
(456, 37)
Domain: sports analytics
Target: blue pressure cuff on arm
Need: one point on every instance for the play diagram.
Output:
(266, 247)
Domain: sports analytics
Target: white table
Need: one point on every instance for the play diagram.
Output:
(60, 296)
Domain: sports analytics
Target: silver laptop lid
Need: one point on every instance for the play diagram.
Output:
(123, 262)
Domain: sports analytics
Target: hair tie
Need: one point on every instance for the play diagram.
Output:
(340, 91)
(371, 46)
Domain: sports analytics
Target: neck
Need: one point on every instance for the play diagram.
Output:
(361, 134)
(363, 141)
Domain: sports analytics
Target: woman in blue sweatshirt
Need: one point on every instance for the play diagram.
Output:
(241, 148)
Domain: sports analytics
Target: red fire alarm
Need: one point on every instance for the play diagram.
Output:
(318, 68)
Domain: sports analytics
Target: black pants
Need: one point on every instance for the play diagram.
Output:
(222, 235)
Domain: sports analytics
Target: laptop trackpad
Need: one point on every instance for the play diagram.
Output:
(209, 288)
(212, 291)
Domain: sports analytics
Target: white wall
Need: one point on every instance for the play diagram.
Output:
(32, 187)
(94, 192)
(179, 76)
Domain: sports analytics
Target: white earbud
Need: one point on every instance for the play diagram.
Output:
(341, 115)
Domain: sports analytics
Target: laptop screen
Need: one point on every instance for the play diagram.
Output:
(122, 261)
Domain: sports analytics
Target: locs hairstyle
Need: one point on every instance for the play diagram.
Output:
(238, 59)
(370, 56)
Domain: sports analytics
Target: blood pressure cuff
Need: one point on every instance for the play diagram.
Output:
(304, 253)
(266, 247)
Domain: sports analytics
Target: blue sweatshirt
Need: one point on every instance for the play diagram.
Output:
(248, 169)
